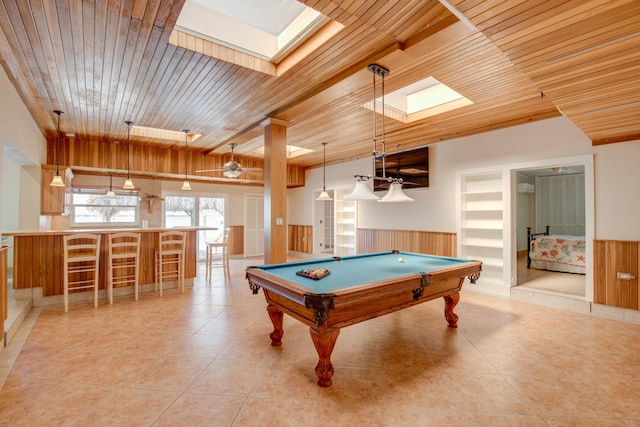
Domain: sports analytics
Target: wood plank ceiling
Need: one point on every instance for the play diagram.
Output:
(104, 62)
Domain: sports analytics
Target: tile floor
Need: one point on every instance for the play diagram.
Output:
(203, 358)
(563, 283)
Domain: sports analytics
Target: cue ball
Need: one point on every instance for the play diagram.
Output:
(400, 260)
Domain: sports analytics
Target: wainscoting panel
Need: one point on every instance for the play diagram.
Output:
(611, 257)
(236, 240)
(300, 238)
(424, 242)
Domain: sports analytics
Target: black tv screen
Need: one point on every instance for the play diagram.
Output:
(410, 165)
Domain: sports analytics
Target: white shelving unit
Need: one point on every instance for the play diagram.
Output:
(346, 222)
(482, 225)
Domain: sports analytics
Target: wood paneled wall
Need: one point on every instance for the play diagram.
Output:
(424, 242)
(4, 276)
(611, 257)
(155, 159)
(236, 240)
(300, 238)
(38, 260)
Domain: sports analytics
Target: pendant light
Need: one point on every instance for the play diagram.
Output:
(362, 191)
(128, 184)
(324, 195)
(110, 193)
(185, 185)
(57, 179)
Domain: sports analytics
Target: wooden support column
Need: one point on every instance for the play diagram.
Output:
(275, 191)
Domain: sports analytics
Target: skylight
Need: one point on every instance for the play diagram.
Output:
(292, 151)
(421, 99)
(169, 135)
(263, 28)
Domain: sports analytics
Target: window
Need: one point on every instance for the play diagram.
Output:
(179, 211)
(93, 207)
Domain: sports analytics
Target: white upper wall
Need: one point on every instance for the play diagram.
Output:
(22, 151)
(435, 207)
(617, 177)
(17, 127)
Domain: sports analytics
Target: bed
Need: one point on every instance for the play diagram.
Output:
(556, 252)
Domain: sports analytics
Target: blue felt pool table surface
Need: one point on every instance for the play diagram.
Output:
(360, 269)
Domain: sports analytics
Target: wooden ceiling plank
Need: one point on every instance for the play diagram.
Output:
(99, 19)
(144, 38)
(13, 62)
(114, 123)
(30, 60)
(148, 67)
(567, 37)
(165, 56)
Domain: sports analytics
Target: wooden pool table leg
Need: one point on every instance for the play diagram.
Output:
(450, 301)
(276, 318)
(324, 342)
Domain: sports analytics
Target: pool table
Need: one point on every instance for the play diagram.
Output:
(357, 288)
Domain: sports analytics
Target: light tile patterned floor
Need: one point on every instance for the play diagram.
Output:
(203, 358)
(552, 281)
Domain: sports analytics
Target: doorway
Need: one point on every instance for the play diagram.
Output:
(324, 224)
(254, 225)
(567, 209)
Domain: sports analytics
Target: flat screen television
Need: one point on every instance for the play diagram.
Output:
(410, 165)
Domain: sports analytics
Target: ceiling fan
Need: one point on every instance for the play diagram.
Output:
(231, 169)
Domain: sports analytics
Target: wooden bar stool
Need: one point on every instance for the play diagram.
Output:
(217, 255)
(123, 262)
(170, 258)
(81, 264)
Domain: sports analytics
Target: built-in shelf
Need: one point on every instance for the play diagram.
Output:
(485, 227)
(346, 214)
(482, 225)
(484, 243)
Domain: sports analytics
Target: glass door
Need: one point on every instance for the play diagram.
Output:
(210, 214)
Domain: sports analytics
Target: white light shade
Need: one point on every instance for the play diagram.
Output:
(186, 186)
(232, 173)
(324, 196)
(395, 195)
(57, 181)
(110, 193)
(128, 184)
(361, 192)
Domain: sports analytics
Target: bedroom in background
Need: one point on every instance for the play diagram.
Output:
(553, 197)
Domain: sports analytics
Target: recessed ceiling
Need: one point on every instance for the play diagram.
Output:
(272, 16)
(426, 97)
(259, 27)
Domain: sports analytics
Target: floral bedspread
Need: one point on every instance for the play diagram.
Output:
(561, 249)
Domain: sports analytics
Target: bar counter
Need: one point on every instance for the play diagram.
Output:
(38, 255)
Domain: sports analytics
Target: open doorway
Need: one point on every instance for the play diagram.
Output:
(324, 224)
(551, 227)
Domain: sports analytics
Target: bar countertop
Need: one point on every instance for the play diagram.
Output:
(101, 230)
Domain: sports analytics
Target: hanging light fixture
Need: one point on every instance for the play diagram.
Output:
(110, 193)
(185, 185)
(57, 179)
(128, 184)
(362, 191)
(324, 195)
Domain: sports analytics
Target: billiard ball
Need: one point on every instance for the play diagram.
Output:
(400, 260)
